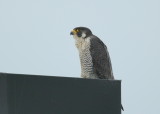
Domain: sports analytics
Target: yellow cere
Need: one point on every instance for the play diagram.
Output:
(74, 31)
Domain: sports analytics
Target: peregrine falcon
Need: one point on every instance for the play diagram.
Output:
(94, 57)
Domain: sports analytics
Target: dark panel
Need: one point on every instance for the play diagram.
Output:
(3, 94)
(30, 94)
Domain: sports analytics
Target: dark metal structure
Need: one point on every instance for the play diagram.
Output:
(33, 94)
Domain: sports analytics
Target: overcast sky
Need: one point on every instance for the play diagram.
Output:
(35, 39)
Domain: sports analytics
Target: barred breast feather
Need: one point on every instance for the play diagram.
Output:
(94, 58)
(83, 46)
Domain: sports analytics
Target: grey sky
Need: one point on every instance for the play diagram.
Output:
(34, 39)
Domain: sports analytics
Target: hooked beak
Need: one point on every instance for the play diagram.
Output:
(73, 32)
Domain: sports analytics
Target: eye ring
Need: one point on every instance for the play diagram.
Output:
(77, 30)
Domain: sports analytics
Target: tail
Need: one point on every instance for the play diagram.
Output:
(122, 107)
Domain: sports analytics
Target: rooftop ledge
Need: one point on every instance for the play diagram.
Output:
(37, 94)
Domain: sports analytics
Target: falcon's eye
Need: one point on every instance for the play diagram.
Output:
(77, 30)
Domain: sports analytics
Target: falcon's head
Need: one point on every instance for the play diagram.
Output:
(81, 32)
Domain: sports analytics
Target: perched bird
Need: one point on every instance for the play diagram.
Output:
(94, 57)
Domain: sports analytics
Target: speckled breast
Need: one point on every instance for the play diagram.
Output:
(86, 59)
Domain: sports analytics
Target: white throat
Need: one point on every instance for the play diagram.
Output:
(81, 43)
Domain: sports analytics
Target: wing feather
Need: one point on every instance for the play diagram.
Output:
(100, 58)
